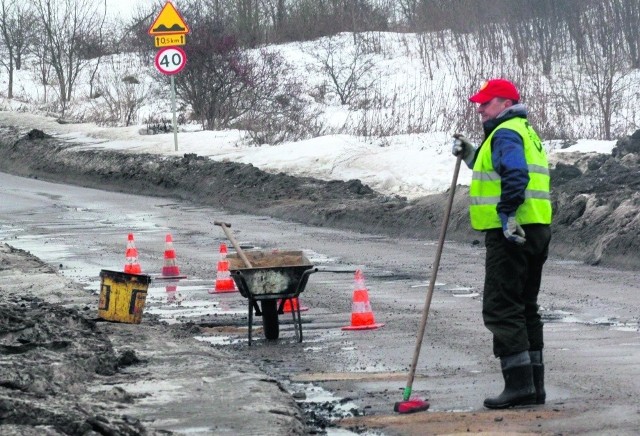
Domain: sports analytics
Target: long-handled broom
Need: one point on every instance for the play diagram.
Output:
(410, 405)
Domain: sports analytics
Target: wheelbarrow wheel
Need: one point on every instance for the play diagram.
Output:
(270, 319)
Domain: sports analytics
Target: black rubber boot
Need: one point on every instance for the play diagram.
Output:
(518, 389)
(537, 365)
(538, 382)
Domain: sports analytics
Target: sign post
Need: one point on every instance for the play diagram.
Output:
(168, 31)
(173, 111)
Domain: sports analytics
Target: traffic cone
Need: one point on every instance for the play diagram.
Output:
(171, 292)
(224, 282)
(170, 268)
(289, 307)
(131, 255)
(361, 313)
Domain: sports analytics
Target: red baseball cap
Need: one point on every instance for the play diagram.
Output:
(495, 88)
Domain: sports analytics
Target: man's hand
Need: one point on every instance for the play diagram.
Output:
(462, 147)
(511, 229)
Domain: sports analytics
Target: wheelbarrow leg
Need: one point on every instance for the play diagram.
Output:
(299, 322)
(250, 317)
(293, 315)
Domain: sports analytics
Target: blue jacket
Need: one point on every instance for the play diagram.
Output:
(507, 156)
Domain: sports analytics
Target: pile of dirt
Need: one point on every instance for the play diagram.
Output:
(597, 206)
(49, 356)
(595, 197)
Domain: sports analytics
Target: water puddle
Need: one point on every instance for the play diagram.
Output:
(563, 316)
(322, 409)
(426, 285)
(177, 301)
(470, 295)
(220, 340)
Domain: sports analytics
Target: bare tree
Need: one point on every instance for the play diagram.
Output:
(345, 67)
(605, 64)
(276, 112)
(248, 22)
(16, 33)
(276, 11)
(7, 11)
(546, 27)
(120, 92)
(627, 15)
(67, 26)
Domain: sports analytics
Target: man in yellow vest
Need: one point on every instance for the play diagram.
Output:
(510, 203)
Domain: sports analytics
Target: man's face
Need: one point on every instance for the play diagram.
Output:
(493, 108)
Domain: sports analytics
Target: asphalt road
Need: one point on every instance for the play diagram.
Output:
(592, 335)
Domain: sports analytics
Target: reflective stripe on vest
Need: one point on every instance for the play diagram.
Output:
(485, 189)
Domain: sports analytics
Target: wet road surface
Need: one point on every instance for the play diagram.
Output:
(592, 337)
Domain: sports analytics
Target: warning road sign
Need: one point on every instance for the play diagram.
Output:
(169, 22)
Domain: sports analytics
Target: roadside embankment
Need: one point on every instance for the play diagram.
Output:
(596, 197)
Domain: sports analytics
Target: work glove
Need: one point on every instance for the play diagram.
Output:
(511, 229)
(462, 146)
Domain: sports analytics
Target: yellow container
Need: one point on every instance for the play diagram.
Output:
(122, 296)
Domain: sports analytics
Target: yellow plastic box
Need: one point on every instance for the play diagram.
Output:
(122, 296)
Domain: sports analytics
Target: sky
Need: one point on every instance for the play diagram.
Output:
(125, 8)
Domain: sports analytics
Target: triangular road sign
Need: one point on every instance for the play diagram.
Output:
(169, 22)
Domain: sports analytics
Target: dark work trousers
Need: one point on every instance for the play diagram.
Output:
(512, 282)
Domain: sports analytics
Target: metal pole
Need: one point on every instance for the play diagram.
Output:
(173, 108)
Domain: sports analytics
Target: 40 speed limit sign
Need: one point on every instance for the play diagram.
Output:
(171, 60)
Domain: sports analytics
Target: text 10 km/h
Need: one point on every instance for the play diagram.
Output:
(169, 40)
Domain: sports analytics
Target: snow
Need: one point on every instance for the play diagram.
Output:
(589, 146)
(409, 165)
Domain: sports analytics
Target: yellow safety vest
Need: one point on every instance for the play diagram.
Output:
(486, 186)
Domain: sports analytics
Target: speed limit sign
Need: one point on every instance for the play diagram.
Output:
(171, 60)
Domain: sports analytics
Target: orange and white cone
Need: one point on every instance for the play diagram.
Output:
(291, 304)
(131, 257)
(170, 268)
(171, 292)
(224, 282)
(361, 313)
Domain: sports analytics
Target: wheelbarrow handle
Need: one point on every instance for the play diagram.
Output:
(227, 231)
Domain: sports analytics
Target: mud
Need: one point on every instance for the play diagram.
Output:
(47, 352)
(596, 197)
(63, 371)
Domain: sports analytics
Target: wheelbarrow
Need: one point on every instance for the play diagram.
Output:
(272, 276)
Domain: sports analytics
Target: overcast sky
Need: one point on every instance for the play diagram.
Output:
(126, 8)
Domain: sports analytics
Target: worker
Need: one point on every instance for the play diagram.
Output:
(510, 203)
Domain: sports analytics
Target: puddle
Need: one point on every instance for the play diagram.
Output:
(174, 302)
(630, 328)
(458, 288)
(322, 408)
(196, 430)
(565, 317)
(426, 285)
(554, 315)
(566, 262)
(469, 295)
(318, 258)
(220, 340)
